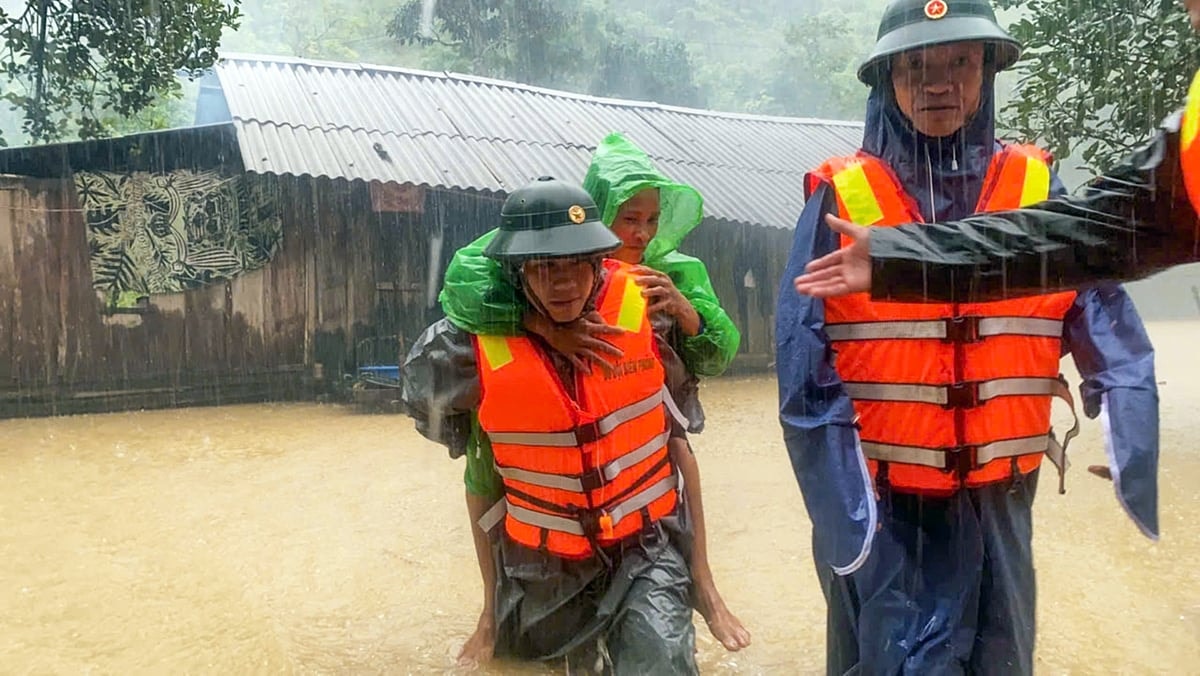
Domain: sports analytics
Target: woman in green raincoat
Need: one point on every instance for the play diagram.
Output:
(651, 214)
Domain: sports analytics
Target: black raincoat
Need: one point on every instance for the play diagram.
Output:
(1128, 224)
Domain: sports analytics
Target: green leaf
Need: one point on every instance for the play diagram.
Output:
(1099, 76)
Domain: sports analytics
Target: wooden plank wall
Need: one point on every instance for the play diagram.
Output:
(730, 251)
(244, 339)
(344, 274)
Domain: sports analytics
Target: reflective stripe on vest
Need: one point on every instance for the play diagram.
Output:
(618, 513)
(950, 328)
(588, 469)
(941, 458)
(962, 367)
(959, 395)
(573, 438)
(944, 458)
(579, 484)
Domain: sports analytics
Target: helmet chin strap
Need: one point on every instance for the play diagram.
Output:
(597, 280)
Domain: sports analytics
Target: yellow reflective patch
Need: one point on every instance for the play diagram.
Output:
(1191, 114)
(496, 351)
(633, 307)
(1037, 182)
(857, 196)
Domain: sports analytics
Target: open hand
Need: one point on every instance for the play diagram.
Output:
(847, 270)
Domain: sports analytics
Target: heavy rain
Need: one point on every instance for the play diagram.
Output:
(275, 398)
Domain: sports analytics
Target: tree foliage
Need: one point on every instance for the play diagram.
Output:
(568, 44)
(815, 75)
(776, 57)
(1098, 77)
(334, 30)
(656, 69)
(71, 65)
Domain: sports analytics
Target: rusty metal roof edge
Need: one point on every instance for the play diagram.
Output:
(440, 187)
(408, 134)
(508, 84)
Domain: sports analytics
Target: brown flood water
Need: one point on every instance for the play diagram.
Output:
(311, 539)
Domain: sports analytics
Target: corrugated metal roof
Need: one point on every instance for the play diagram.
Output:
(445, 130)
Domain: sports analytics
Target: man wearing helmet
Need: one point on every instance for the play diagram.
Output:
(1136, 220)
(917, 431)
(583, 549)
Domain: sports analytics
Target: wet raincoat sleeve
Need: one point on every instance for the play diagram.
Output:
(441, 393)
(709, 352)
(1127, 224)
(441, 386)
(477, 296)
(1114, 357)
(817, 415)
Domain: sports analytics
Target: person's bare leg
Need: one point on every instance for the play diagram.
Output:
(724, 625)
(481, 645)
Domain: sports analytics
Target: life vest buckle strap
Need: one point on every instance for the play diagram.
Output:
(592, 480)
(589, 521)
(588, 433)
(963, 329)
(962, 395)
(962, 460)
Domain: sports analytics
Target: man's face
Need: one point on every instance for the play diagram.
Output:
(561, 285)
(938, 88)
(1193, 10)
(636, 224)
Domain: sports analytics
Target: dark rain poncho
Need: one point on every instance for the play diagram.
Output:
(635, 614)
(922, 585)
(1130, 223)
(478, 298)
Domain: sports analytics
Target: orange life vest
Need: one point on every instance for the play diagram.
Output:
(587, 471)
(947, 394)
(1189, 149)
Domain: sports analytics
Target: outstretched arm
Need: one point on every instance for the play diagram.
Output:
(1129, 223)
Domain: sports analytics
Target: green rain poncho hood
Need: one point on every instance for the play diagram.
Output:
(620, 170)
(477, 297)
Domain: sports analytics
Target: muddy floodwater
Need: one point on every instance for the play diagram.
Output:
(307, 538)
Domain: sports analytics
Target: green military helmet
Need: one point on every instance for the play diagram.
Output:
(911, 24)
(549, 218)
